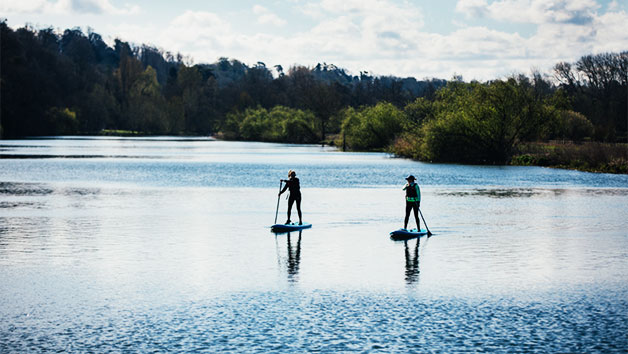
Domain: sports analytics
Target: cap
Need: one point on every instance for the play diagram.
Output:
(411, 177)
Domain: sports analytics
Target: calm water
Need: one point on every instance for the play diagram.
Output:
(164, 245)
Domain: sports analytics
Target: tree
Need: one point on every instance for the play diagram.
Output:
(482, 123)
(147, 107)
(597, 86)
(371, 127)
(576, 126)
(280, 124)
(61, 121)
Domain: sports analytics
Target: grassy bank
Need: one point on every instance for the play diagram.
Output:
(591, 156)
(119, 132)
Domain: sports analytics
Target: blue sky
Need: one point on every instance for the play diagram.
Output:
(478, 39)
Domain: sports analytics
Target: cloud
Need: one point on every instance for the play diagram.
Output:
(385, 38)
(66, 7)
(265, 17)
(475, 43)
(191, 33)
(473, 8)
(200, 30)
(32, 6)
(579, 12)
(366, 28)
(611, 34)
(101, 7)
(613, 6)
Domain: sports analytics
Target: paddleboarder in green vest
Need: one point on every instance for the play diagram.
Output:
(413, 201)
(295, 194)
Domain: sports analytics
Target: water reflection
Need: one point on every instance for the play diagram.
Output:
(74, 156)
(292, 260)
(412, 262)
(495, 192)
(532, 192)
(24, 189)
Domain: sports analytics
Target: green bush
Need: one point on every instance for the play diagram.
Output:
(479, 123)
(598, 157)
(61, 121)
(577, 126)
(371, 128)
(280, 124)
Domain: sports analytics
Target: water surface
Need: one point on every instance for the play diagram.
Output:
(111, 244)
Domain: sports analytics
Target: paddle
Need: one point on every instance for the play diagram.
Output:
(278, 197)
(429, 233)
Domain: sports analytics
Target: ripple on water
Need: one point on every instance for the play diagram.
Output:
(322, 321)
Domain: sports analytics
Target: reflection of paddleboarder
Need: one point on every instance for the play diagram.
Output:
(295, 194)
(412, 263)
(294, 259)
(413, 201)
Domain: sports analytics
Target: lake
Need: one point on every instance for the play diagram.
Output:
(164, 245)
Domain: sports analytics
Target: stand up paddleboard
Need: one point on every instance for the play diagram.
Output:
(289, 227)
(403, 234)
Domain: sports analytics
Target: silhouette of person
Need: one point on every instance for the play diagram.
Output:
(413, 201)
(295, 194)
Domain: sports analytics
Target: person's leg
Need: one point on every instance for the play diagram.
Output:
(415, 206)
(290, 202)
(405, 221)
(299, 210)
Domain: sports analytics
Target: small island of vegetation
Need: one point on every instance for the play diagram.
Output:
(74, 83)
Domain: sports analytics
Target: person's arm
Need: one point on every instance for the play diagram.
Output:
(284, 187)
(418, 192)
(406, 186)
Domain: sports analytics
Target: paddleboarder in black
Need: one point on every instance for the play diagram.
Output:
(413, 201)
(295, 194)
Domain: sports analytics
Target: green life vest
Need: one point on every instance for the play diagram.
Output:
(413, 194)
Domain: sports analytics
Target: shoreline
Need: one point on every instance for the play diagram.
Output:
(587, 156)
(592, 157)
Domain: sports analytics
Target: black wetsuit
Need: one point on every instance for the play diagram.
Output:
(413, 202)
(295, 195)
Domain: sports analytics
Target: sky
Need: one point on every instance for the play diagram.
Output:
(476, 39)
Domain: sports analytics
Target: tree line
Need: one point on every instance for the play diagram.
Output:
(74, 83)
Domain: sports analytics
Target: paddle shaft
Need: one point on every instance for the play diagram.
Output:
(427, 228)
(278, 197)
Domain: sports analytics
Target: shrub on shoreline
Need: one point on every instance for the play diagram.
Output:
(370, 128)
(591, 156)
(280, 124)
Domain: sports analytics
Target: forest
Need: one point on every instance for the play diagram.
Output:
(74, 83)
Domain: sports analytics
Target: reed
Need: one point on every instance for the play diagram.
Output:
(588, 156)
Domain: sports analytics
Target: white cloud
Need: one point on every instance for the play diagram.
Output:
(367, 28)
(102, 6)
(472, 8)
(385, 38)
(33, 6)
(565, 30)
(66, 7)
(611, 34)
(613, 6)
(532, 11)
(265, 17)
(475, 43)
(195, 33)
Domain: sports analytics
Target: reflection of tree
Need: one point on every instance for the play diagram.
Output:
(412, 263)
